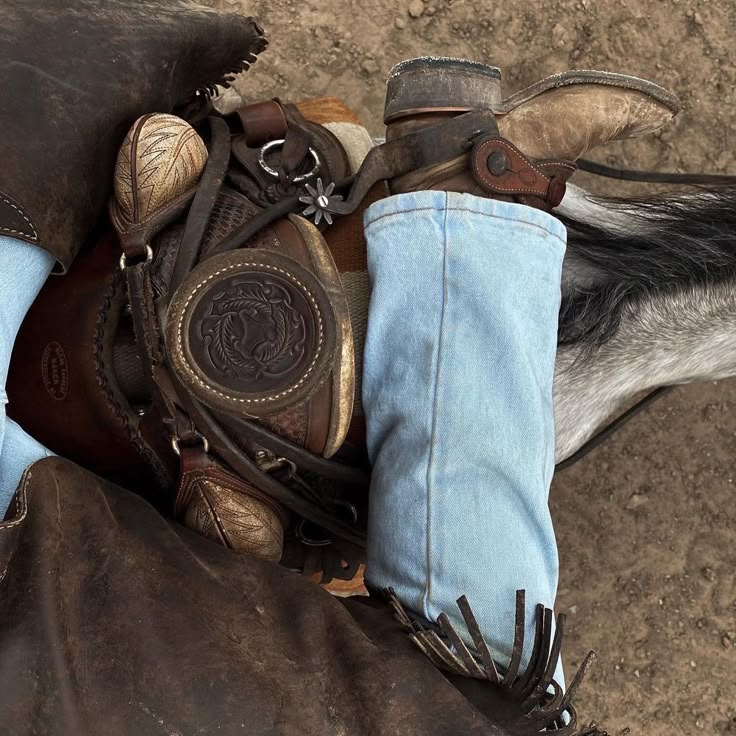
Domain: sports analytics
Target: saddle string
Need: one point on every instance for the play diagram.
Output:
(203, 203)
(309, 462)
(653, 177)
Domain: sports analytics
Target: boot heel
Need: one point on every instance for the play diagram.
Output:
(430, 84)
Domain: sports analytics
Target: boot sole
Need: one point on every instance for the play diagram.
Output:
(415, 86)
(447, 85)
(585, 76)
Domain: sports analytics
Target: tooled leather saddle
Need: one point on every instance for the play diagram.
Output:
(224, 378)
(211, 346)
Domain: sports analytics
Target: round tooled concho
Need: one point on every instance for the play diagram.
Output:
(251, 332)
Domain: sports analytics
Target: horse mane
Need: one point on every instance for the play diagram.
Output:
(623, 251)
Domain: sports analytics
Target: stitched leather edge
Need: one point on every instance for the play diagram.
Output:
(190, 370)
(32, 234)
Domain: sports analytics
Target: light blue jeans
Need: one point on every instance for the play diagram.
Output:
(23, 270)
(457, 391)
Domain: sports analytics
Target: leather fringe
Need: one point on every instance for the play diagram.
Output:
(542, 705)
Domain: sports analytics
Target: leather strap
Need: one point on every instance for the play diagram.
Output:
(300, 151)
(134, 240)
(140, 296)
(296, 145)
(147, 337)
(241, 464)
(256, 433)
(425, 147)
(203, 202)
(263, 122)
(502, 169)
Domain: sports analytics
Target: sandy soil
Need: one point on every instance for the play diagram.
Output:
(647, 524)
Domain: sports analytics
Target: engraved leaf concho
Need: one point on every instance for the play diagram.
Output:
(253, 330)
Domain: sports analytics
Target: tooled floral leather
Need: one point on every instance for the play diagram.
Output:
(161, 158)
(254, 329)
(251, 332)
(227, 510)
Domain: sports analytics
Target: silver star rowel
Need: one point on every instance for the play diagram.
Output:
(318, 201)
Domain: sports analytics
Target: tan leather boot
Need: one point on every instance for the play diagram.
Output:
(550, 124)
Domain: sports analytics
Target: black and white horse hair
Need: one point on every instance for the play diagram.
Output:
(648, 299)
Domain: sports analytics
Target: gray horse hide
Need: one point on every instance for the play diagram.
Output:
(675, 336)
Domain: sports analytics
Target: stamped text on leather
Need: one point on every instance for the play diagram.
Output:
(55, 371)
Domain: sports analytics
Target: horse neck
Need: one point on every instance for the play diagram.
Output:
(679, 337)
(674, 325)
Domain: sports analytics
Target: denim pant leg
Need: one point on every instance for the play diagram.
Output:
(20, 450)
(457, 391)
(24, 269)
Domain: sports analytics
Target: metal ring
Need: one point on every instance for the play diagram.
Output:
(177, 450)
(149, 258)
(272, 172)
(308, 541)
(350, 507)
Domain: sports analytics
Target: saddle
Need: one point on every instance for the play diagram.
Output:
(210, 344)
(210, 341)
(224, 379)
(205, 348)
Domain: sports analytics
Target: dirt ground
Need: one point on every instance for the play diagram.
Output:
(646, 524)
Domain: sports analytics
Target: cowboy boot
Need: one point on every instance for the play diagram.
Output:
(74, 75)
(542, 130)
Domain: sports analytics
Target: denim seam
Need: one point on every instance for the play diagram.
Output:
(435, 411)
(472, 212)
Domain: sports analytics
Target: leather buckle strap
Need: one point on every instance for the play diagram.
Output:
(502, 169)
(263, 122)
(425, 147)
